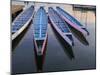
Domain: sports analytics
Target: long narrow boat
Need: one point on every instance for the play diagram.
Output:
(40, 23)
(60, 26)
(72, 21)
(21, 22)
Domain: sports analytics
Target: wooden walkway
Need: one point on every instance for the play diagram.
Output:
(16, 8)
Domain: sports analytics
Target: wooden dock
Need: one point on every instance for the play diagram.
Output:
(15, 10)
(89, 7)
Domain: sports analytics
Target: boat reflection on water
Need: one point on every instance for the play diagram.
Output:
(79, 36)
(66, 47)
(39, 59)
(16, 41)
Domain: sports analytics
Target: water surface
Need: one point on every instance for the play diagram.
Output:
(57, 58)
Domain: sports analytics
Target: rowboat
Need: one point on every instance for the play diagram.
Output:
(40, 23)
(72, 21)
(21, 22)
(60, 26)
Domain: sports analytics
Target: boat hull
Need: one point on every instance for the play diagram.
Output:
(74, 25)
(16, 41)
(17, 33)
(62, 35)
(43, 48)
(40, 23)
(39, 59)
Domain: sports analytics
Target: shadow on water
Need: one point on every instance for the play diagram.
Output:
(16, 41)
(16, 14)
(79, 36)
(40, 59)
(66, 47)
(39, 63)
